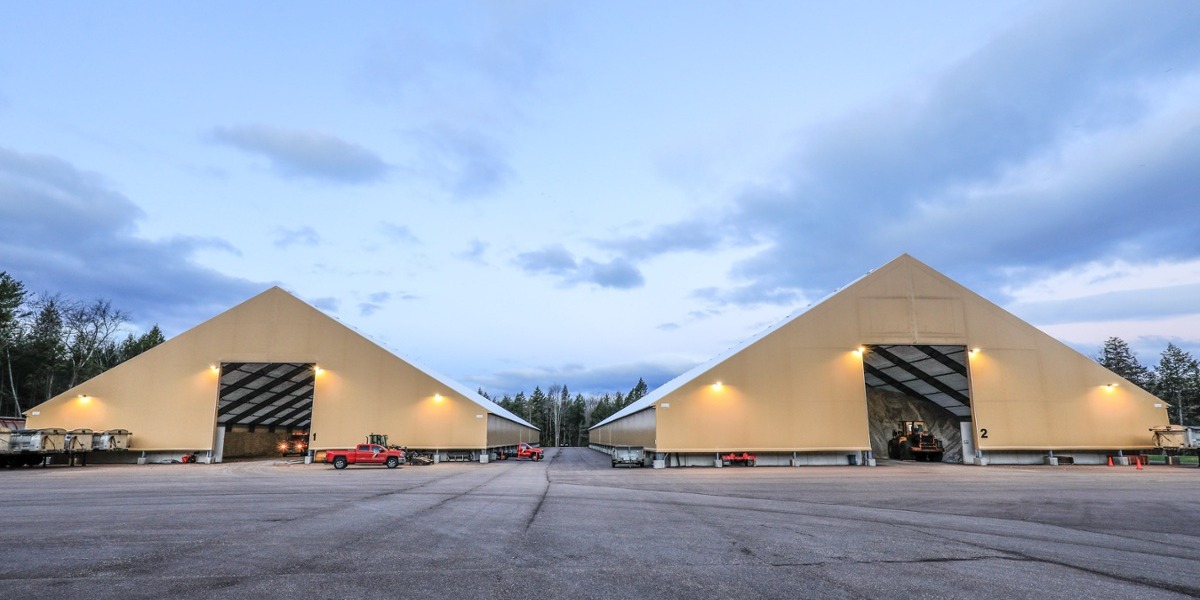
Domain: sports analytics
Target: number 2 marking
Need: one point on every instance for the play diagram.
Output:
(983, 434)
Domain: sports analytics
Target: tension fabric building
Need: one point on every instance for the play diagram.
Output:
(902, 343)
(240, 382)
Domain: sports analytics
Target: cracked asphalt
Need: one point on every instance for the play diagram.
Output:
(572, 527)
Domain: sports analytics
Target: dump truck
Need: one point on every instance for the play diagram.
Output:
(365, 454)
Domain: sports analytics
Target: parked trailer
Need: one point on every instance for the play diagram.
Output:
(628, 456)
(1177, 439)
(28, 447)
(113, 439)
(79, 440)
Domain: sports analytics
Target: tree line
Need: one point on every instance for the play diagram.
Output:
(49, 343)
(1175, 379)
(565, 419)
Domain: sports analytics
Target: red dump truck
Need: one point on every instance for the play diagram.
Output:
(365, 454)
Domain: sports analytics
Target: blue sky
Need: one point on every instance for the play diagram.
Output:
(525, 193)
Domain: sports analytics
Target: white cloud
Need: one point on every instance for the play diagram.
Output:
(1104, 277)
(66, 230)
(306, 154)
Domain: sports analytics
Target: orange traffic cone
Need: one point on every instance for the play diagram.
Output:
(1139, 463)
(1110, 461)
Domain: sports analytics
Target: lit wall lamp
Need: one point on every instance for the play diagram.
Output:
(317, 370)
(437, 397)
(861, 350)
(974, 350)
(214, 368)
(1110, 387)
(718, 386)
(85, 398)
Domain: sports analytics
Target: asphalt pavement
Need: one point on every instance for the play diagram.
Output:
(573, 527)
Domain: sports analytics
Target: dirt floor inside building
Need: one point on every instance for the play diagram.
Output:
(573, 527)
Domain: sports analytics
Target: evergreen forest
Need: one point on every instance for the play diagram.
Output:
(51, 342)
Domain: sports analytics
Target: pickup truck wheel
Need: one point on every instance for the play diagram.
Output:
(392, 462)
(339, 462)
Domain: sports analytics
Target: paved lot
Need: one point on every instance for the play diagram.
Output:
(571, 527)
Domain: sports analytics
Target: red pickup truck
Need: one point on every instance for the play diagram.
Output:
(365, 454)
(523, 451)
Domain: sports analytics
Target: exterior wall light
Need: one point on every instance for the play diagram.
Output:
(718, 386)
(1110, 387)
(437, 397)
(85, 398)
(318, 370)
(974, 350)
(214, 368)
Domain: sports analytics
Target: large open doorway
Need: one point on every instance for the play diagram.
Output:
(914, 391)
(264, 409)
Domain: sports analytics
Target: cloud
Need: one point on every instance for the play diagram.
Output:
(1111, 291)
(1049, 146)
(475, 252)
(618, 273)
(556, 260)
(301, 154)
(582, 380)
(305, 236)
(459, 139)
(1072, 136)
(553, 259)
(328, 304)
(56, 221)
(398, 233)
(466, 163)
(696, 235)
(1126, 304)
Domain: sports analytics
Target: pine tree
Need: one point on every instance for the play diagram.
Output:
(44, 350)
(1177, 381)
(1118, 358)
(604, 409)
(639, 390)
(12, 297)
